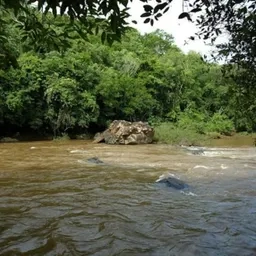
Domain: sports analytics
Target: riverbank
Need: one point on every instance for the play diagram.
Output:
(36, 137)
(167, 134)
(162, 136)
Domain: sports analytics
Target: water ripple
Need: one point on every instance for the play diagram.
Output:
(119, 210)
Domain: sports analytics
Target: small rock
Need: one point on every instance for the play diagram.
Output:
(170, 181)
(95, 160)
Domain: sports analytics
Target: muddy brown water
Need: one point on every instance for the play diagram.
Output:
(53, 202)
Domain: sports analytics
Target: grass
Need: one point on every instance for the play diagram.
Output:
(169, 134)
(64, 136)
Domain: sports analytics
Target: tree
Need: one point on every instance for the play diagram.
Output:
(121, 96)
(236, 17)
(146, 77)
(67, 108)
(8, 49)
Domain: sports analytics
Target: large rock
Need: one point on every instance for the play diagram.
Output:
(123, 132)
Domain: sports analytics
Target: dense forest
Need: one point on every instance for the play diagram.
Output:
(72, 85)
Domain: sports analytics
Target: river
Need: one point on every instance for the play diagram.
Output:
(54, 202)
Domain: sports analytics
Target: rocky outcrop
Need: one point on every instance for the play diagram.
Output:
(126, 133)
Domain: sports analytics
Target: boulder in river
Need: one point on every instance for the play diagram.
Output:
(126, 133)
(95, 160)
(172, 182)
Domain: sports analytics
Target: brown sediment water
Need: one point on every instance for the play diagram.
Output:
(54, 202)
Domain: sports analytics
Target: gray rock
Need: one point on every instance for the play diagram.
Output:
(172, 182)
(95, 160)
(194, 150)
(197, 152)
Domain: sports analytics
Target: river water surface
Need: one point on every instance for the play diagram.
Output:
(54, 202)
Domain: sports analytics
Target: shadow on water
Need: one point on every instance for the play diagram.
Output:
(54, 202)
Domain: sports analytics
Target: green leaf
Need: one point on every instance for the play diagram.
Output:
(196, 10)
(166, 9)
(147, 8)
(184, 15)
(160, 7)
(147, 20)
(158, 15)
(146, 14)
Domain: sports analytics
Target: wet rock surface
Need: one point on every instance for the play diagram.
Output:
(95, 160)
(172, 182)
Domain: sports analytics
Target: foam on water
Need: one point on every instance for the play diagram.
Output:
(201, 166)
(79, 151)
(166, 176)
(233, 153)
(188, 193)
(82, 161)
(223, 167)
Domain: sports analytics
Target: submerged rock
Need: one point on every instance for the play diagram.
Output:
(95, 160)
(194, 150)
(197, 152)
(173, 182)
(127, 133)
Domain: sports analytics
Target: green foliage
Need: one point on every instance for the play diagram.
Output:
(67, 107)
(171, 134)
(122, 97)
(192, 120)
(112, 15)
(62, 137)
(53, 23)
(9, 51)
(221, 124)
(146, 77)
(202, 124)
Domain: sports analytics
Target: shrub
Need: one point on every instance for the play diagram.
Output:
(221, 124)
(64, 136)
(193, 121)
(171, 134)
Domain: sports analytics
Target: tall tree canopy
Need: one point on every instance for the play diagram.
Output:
(52, 81)
(235, 17)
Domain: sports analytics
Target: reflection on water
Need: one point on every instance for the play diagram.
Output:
(54, 202)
